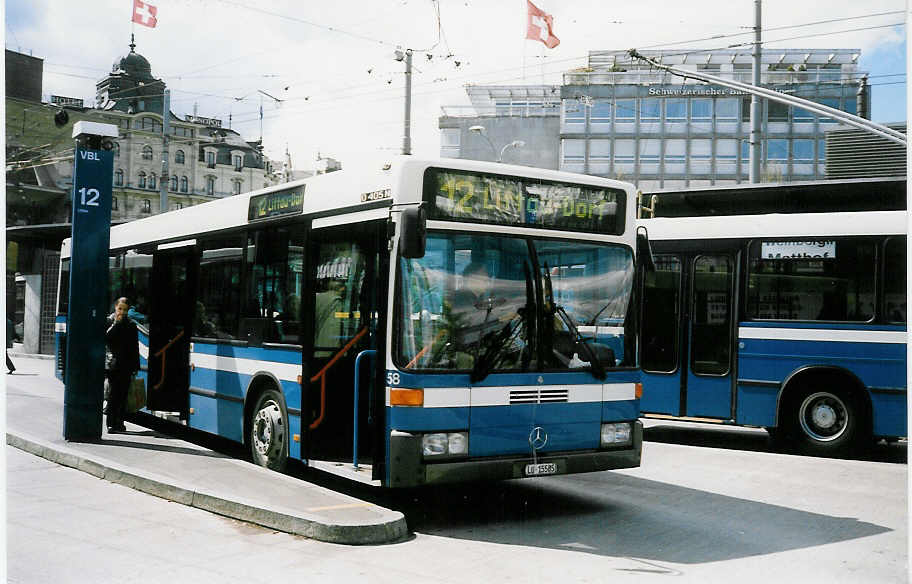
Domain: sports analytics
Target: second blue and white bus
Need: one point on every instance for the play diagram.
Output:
(318, 320)
(782, 307)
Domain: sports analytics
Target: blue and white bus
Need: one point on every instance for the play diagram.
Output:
(782, 307)
(425, 321)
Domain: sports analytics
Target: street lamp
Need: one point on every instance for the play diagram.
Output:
(513, 144)
(484, 134)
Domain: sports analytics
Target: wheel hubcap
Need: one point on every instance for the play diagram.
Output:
(268, 430)
(823, 417)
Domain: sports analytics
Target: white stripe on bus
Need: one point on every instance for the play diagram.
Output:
(834, 335)
(283, 371)
(462, 397)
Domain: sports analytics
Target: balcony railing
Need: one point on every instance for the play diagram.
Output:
(662, 78)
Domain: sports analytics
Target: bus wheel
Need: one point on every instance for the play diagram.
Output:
(824, 423)
(269, 431)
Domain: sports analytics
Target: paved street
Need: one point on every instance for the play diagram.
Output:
(697, 512)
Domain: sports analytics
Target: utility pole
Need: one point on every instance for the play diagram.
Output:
(755, 100)
(407, 134)
(166, 126)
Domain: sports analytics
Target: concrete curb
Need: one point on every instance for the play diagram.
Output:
(285, 520)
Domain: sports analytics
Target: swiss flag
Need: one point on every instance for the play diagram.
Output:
(144, 14)
(538, 26)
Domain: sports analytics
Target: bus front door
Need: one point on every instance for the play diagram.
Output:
(687, 335)
(347, 289)
(170, 316)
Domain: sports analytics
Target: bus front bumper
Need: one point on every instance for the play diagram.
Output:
(408, 469)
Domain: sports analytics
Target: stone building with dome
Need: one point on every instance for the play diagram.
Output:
(206, 161)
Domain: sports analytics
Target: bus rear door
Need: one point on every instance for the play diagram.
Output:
(173, 293)
(688, 332)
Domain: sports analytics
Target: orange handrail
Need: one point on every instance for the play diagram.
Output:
(424, 350)
(322, 374)
(161, 353)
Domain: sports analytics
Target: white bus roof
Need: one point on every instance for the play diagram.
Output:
(327, 194)
(777, 225)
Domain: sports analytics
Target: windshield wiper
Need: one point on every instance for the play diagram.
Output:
(496, 343)
(598, 370)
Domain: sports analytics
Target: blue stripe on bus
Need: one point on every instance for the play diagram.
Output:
(495, 430)
(875, 364)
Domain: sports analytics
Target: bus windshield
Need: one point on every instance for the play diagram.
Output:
(485, 304)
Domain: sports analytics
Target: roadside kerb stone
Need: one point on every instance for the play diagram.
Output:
(287, 521)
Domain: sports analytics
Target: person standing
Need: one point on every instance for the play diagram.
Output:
(121, 362)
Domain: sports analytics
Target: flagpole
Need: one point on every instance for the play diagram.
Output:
(524, 33)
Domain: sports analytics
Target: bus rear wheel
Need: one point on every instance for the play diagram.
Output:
(823, 423)
(269, 431)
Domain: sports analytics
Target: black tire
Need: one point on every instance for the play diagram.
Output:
(823, 422)
(268, 431)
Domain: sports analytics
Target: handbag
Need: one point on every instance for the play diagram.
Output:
(136, 395)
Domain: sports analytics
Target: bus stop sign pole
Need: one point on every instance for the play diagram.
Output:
(88, 300)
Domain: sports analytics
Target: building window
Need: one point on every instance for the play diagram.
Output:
(675, 155)
(802, 116)
(625, 110)
(179, 157)
(210, 159)
(777, 150)
(118, 177)
(700, 155)
(650, 149)
(152, 184)
(113, 203)
(574, 115)
(146, 206)
(832, 102)
(727, 109)
(178, 206)
(600, 116)
(152, 124)
(450, 139)
(210, 185)
(803, 150)
(701, 110)
(573, 155)
(676, 110)
(599, 156)
(116, 150)
(624, 156)
(184, 184)
(726, 156)
(238, 162)
(777, 112)
(173, 186)
(142, 180)
(650, 109)
(237, 187)
(821, 150)
(147, 153)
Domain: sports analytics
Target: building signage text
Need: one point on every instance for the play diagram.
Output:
(699, 91)
(204, 121)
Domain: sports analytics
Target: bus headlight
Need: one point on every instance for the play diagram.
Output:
(443, 444)
(615, 434)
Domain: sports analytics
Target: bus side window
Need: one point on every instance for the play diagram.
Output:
(895, 280)
(660, 315)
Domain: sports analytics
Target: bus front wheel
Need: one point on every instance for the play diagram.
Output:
(823, 423)
(269, 431)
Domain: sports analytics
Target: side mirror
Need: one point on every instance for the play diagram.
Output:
(412, 232)
(603, 353)
(644, 257)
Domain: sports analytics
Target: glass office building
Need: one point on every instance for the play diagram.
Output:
(623, 118)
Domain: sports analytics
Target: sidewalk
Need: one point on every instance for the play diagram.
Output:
(186, 473)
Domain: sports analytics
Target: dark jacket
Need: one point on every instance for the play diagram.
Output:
(122, 343)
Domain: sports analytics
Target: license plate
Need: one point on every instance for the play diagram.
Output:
(540, 469)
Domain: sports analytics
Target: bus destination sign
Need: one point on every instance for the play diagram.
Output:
(274, 204)
(507, 200)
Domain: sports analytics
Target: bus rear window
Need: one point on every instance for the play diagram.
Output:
(826, 280)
